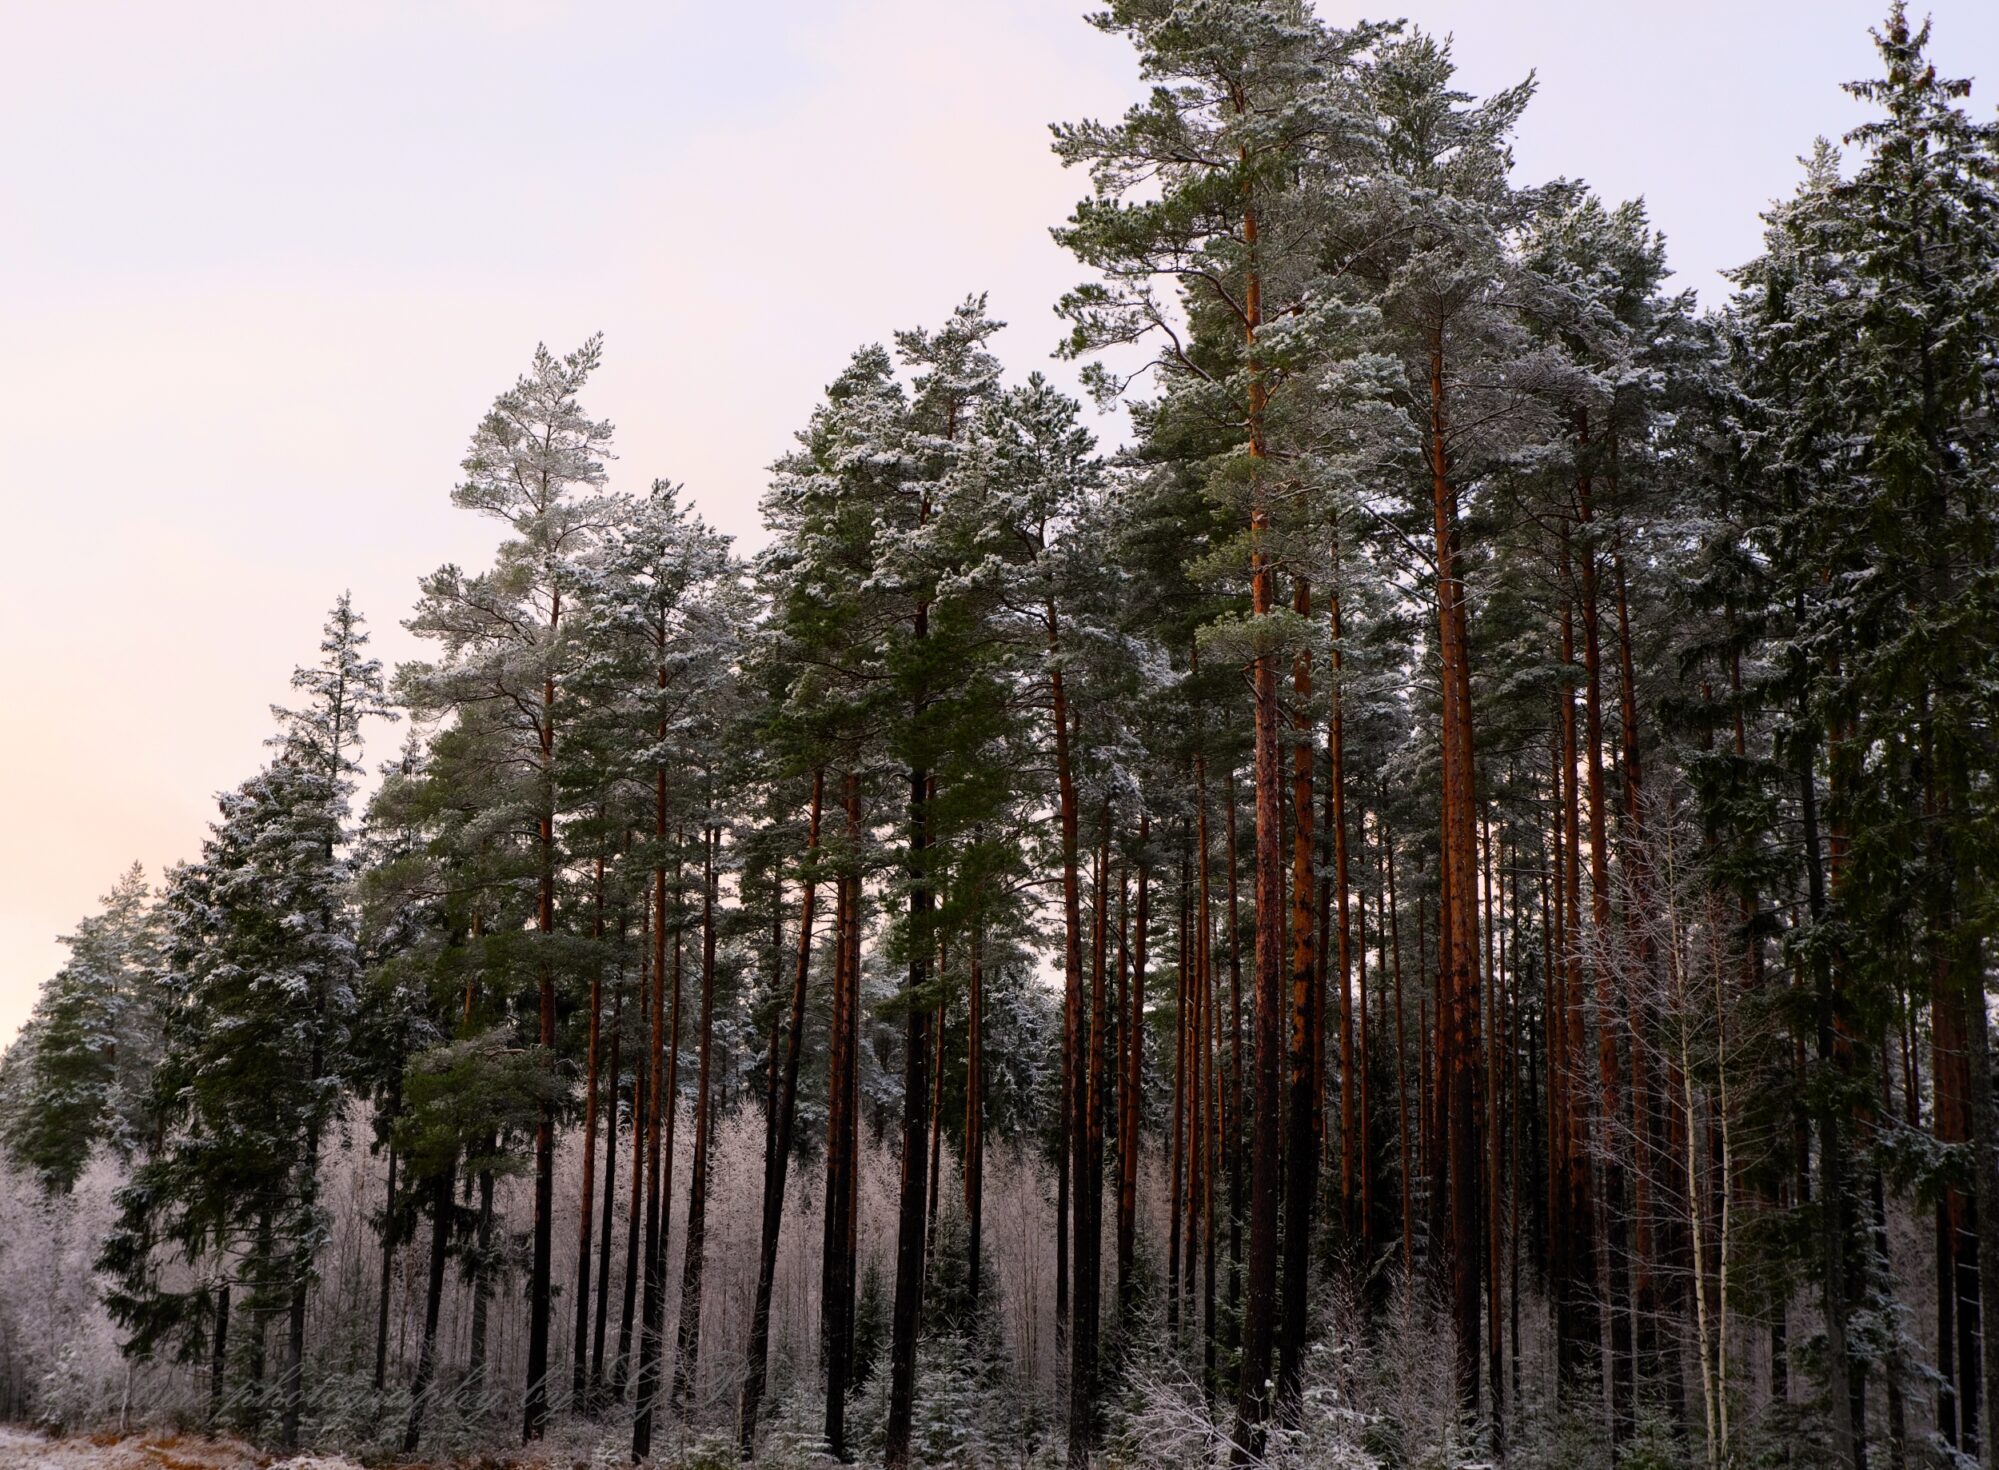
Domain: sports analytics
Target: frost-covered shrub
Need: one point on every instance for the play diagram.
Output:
(344, 1409)
(66, 1397)
(1411, 1386)
(59, 1359)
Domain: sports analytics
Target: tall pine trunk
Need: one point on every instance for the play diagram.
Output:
(1457, 950)
(777, 1159)
(1072, 970)
(1849, 1443)
(218, 1358)
(975, 1113)
(906, 1315)
(1336, 781)
(610, 1210)
(535, 1409)
(1236, 1109)
(665, 1092)
(836, 1293)
(687, 1362)
(388, 1273)
(1301, 1168)
(1403, 1162)
(1088, 1200)
(1266, 1137)
(1581, 1317)
(579, 1376)
(1131, 1089)
(621, 1372)
(1616, 1253)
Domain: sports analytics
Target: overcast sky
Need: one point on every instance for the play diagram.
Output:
(263, 266)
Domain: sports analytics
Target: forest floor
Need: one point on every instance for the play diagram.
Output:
(168, 1449)
(22, 1449)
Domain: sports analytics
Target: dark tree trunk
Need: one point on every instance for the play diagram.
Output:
(218, 1360)
(1131, 1090)
(906, 1315)
(1337, 793)
(1084, 1337)
(535, 1409)
(1457, 949)
(482, 1291)
(777, 1158)
(1181, 1052)
(579, 1365)
(1235, 1110)
(842, 1136)
(975, 1112)
(664, 1107)
(1301, 1169)
(687, 1362)
(596, 1381)
(1266, 1135)
(1070, 1137)
(433, 1300)
(621, 1372)
(294, 1384)
(1580, 1287)
(1616, 1254)
(387, 1277)
(1644, 1102)
(1200, 1069)
(1834, 1212)
(1402, 1159)
(936, 1166)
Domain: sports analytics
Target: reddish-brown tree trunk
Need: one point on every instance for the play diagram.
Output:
(1181, 1052)
(1211, 1145)
(1402, 1159)
(1085, 1333)
(1266, 1138)
(1363, 1068)
(1494, 1184)
(1584, 1288)
(579, 1356)
(1336, 780)
(1457, 952)
(836, 1294)
(1072, 974)
(541, 1273)
(1301, 1173)
(1201, 1057)
(1235, 1114)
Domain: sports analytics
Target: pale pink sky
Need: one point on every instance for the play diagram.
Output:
(262, 267)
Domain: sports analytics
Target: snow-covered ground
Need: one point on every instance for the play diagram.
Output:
(22, 1449)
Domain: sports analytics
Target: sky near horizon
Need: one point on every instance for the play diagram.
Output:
(263, 267)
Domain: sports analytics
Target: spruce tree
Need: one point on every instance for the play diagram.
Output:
(87, 1051)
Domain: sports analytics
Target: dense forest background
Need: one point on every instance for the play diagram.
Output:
(1430, 911)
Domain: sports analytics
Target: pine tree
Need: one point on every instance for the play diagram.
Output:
(532, 464)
